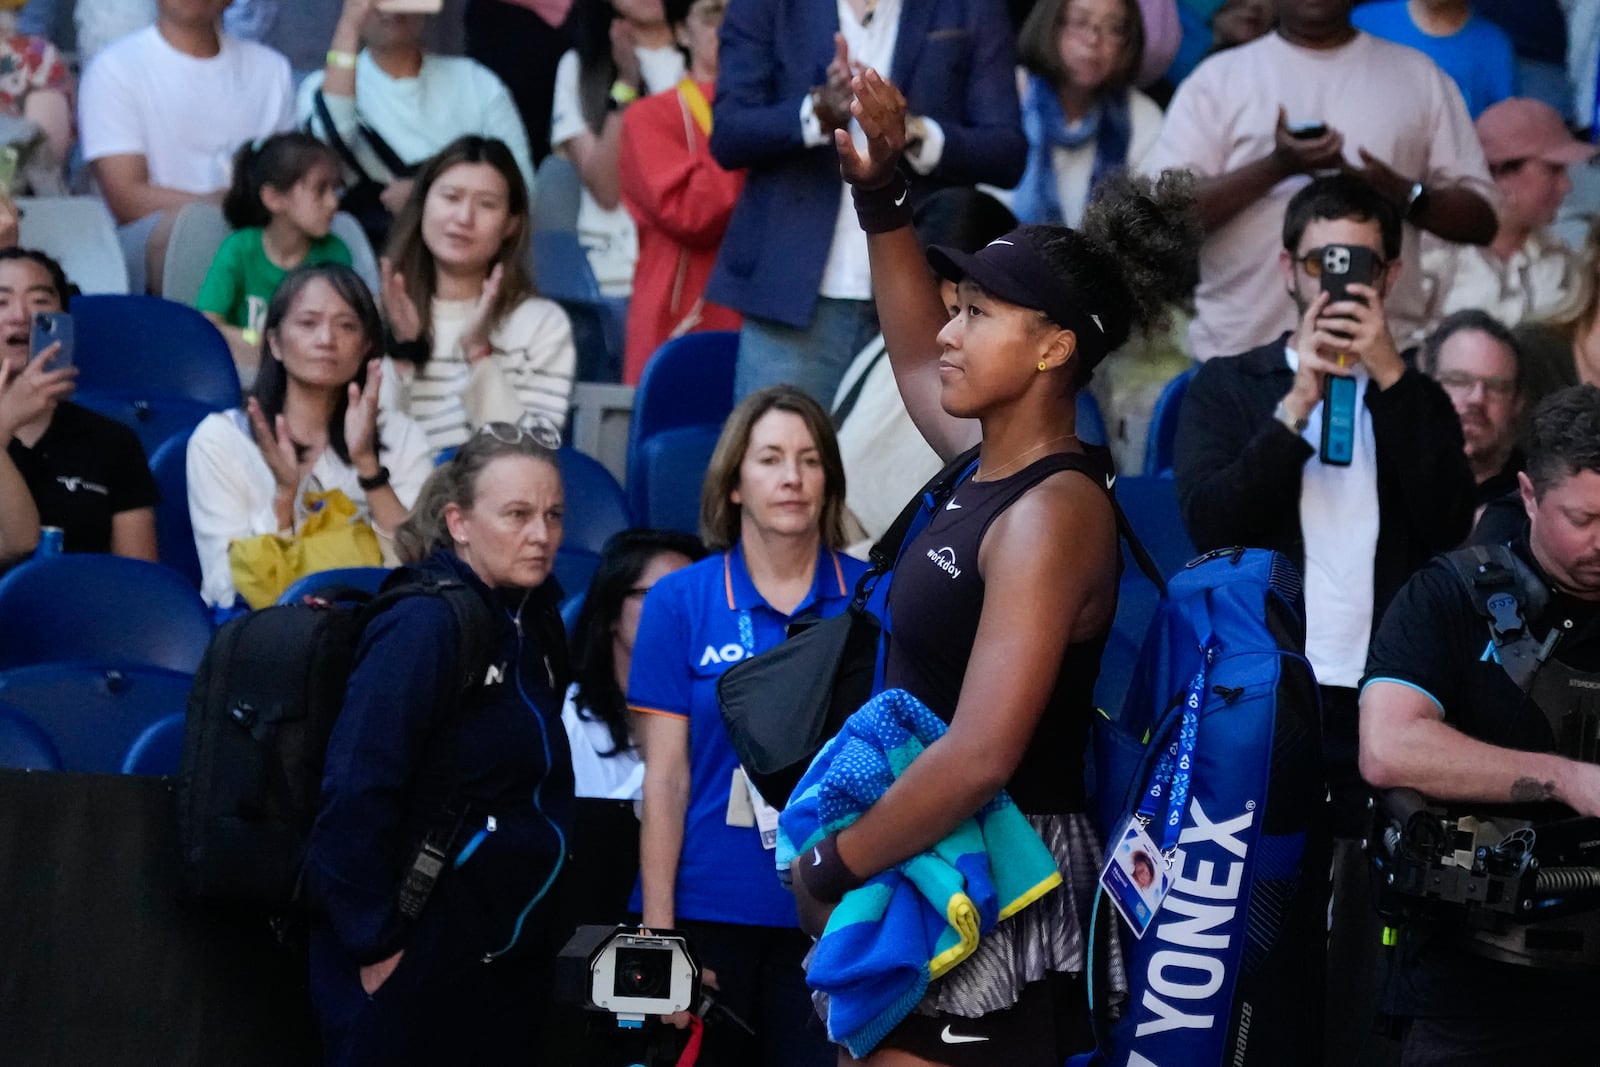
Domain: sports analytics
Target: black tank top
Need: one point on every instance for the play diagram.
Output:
(935, 600)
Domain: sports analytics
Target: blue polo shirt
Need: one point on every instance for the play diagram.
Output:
(696, 623)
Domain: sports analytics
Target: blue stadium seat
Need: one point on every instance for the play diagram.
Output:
(155, 419)
(23, 745)
(144, 346)
(571, 608)
(174, 533)
(687, 383)
(596, 509)
(159, 750)
(91, 607)
(1161, 445)
(672, 470)
(1091, 427)
(94, 712)
(561, 272)
(364, 579)
(574, 570)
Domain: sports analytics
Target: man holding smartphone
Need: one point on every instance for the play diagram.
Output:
(1249, 469)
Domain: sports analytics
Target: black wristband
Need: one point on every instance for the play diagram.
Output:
(377, 481)
(885, 208)
(825, 876)
(415, 350)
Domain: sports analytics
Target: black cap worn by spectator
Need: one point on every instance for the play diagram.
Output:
(1011, 269)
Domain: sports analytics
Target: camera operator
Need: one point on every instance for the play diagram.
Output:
(1441, 715)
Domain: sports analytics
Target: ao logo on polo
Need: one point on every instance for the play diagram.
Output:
(729, 653)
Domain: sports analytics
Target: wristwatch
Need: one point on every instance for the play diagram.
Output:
(379, 479)
(1294, 425)
(1416, 200)
(622, 94)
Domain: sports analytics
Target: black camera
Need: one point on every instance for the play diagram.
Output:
(628, 971)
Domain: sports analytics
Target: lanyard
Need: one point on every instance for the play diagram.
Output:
(1173, 770)
(695, 101)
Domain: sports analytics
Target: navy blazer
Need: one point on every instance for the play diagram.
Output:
(954, 60)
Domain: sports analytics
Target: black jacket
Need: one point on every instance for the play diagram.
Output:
(1238, 469)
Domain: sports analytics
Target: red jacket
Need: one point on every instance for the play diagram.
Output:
(681, 201)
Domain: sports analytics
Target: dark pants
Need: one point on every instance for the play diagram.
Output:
(1498, 1041)
(759, 979)
(522, 49)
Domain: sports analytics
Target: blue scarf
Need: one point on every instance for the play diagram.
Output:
(1107, 125)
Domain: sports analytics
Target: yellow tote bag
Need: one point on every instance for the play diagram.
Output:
(333, 534)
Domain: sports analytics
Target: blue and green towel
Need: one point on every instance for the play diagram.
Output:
(912, 923)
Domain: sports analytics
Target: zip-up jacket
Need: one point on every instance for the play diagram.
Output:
(412, 751)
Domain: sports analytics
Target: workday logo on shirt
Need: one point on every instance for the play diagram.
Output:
(945, 559)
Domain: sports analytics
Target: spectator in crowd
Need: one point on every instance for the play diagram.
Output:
(770, 513)
(1473, 355)
(388, 106)
(1005, 644)
(1082, 116)
(621, 53)
(1583, 62)
(482, 773)
(311, 422)
(608, 770)
(36, 86)
(1561, 346)
(1248, 473)
(62, 465)
(297, 28)
(1525, 269)
(1475, 52)
(680, 199)
(281, 205)
(522, 41)
(1538, 32)
(881, 447)
(1441, 717)
(471, 341)
(1357, 103)
(162, 112)
(794, 262)
(1246, 456)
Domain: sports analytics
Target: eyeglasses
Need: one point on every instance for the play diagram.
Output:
(1461, 383)
(1311, 263)
(511, 434)
(1089, 30)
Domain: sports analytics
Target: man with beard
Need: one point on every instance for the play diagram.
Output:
(1477, 361)
(1440, 716)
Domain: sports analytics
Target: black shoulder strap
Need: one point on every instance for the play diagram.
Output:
(1507, 593)
(474, 622)
(398, 167)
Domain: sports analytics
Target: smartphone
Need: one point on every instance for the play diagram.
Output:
(1344, 266)
(1307, 131)
(48, 328)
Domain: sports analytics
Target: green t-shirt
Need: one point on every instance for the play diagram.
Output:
(242, 279)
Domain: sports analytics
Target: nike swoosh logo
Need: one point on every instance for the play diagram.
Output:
(959, 1039)
(902, 198)
(1111, 480)
(952, 506)
(816, 857)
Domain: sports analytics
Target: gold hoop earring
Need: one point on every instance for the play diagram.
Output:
(1043, 366)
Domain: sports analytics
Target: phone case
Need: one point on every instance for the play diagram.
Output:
(48, 328)
(1338, 421)
(1344, 266)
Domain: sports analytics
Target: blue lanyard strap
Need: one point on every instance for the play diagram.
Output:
(1170, 784)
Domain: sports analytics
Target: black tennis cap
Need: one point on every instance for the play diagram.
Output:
(1013, 269)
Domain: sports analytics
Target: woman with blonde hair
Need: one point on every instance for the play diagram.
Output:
(771, 512)
(1561, 347)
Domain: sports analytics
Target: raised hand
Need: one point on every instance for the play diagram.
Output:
(623, 53)
(880, 108)
(475, 343)
(831, 102)
(361, 419)
(1390, 184)
(29, 390)
(1302, 155)
(277, 448)
(405, 321)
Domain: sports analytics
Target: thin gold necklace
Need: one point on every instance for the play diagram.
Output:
(995, 474)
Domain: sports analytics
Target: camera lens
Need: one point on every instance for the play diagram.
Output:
(643, 972)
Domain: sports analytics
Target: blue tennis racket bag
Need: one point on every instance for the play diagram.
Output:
(1217, 752)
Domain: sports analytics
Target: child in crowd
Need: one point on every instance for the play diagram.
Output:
(281, 204)
(470, 340)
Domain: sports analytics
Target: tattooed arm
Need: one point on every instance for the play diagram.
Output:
(1405, 742)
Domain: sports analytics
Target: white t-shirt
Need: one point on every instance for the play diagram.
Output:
(186, 116)
(608, 236)
(614, 777)
(231, 487)
(451, 96)
(1339, 522)
(1391, 100)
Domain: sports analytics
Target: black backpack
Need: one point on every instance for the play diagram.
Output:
(262, 708)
